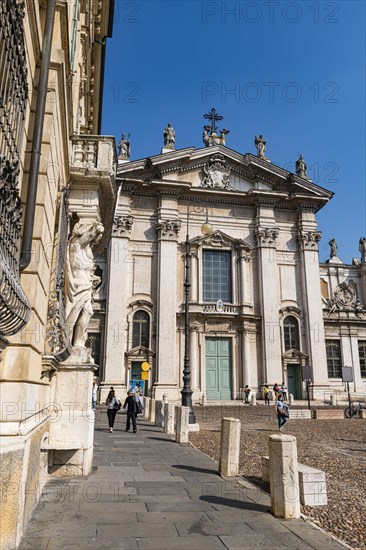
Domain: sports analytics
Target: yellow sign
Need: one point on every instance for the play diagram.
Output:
(145, 366)
(144, 376)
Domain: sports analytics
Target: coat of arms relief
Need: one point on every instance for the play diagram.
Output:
(216, 173)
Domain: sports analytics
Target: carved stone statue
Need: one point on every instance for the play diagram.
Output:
(216, 173)
(124, 148)
(362, 249)
(301, 167)
(206, 135)
(333, 248)
(223, 134)
(260, 144)
(169, 136)
(80, 281)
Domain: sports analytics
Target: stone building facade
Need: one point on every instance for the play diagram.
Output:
(57, 182)
(257, 309)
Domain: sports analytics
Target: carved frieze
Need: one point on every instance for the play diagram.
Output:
(121, 225)
(216, 173)
(267, 236)
(168, 228)
(309, 239)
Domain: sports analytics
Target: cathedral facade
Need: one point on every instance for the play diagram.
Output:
(261, 307)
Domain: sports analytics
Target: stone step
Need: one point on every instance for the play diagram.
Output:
(325, 414)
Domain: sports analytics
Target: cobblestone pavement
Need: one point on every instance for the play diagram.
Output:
(337, 447)
(147, 492)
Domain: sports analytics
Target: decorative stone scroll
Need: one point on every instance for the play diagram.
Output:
(168, 228)
(345, 299)
(216, 173)
(122, 224)
(267, 236)
(309, 239)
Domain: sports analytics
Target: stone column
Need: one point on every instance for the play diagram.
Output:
(182, 425)
(169, 412)
(267, 234)
(308, 239)
(194, 355)
(243, 259)
(167, 227)
(230, 447)
(116, 320)
(284, 477)
(146, 408)
(246, 367)
(194, 275)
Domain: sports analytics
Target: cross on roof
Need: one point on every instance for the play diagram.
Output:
(213, 117)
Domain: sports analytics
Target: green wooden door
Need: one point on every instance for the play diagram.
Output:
(294, 380)
(218, 368)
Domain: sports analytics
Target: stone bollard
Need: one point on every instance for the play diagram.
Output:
(254, 400)
(290, 399)
(146, 413)
(333, 401)
(284, 477)
(169, 413)
(152, 411)
(204, 400)
(182, 424)
(159, 414)
(165, 397)
(230, 447)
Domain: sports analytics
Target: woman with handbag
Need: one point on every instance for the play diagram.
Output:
(133, 409)
(113, 406)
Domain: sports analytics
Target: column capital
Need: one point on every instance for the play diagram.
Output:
(266, 236)
(168, 229)
(309, 239)
(122, 226)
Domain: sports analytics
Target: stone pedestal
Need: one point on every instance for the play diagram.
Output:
(146, 412)
(169, 414)
(182, 424)
(284, 477)
(230, 447)
(254, 400)
(72, 431)
(152, 411)
(159, 414)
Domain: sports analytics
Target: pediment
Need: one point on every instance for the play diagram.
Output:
(218, 239)
(219, 169)
(294, 354)
(139, 351)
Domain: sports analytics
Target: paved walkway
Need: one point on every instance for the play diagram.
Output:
(147, 492)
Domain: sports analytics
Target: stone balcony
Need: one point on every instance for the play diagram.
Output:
(93, 180)
(210, 309)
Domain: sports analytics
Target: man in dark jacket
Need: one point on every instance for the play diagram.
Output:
(132, 410)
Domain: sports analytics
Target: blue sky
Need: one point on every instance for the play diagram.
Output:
(293, 71)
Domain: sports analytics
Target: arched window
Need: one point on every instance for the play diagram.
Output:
(291, 333)
(141, 329)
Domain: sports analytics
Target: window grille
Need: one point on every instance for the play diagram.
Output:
(334, 360)
(217, 276)
(14, 306)
(362, 356)
(291, 333)
(141, 329)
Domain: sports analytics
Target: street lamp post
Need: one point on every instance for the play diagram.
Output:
(186, 392)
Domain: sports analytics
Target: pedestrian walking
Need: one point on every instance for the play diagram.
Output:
(282, 412)
(284, 391)
(113, 406)
(94, 395)
(133, 409)
(266, 395)
(276, 390)
(247, 392)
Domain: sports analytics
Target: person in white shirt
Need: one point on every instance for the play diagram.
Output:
(94, 395)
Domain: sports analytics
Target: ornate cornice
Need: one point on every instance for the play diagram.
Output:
(266, 236)
(168, 229)
(121, 225)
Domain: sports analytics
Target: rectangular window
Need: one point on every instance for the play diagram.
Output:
(216, 276)
(362, 356)
(334, 360)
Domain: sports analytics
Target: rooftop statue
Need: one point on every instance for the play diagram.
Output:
(333, 248)
(301, 167)
(260, 144)
(169, 136)
(362, 249)
(124, 148)
(210, 131)
(80, 281)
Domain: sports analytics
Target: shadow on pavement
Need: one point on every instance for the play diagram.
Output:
(194, 469)
(243, 505)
